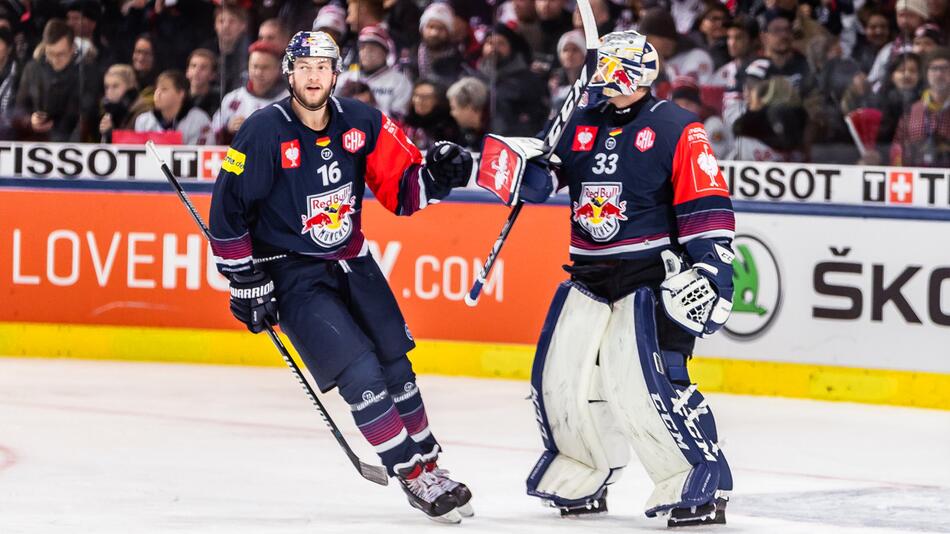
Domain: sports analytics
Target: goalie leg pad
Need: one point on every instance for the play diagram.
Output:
(658, 415)
(584, 449)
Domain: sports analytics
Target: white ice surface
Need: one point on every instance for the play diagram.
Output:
(107, 447)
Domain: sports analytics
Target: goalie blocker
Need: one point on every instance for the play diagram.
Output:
(601, 381)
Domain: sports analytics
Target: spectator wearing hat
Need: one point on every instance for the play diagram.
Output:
(55, 101)
(263, 88)
(391, 88)
(332, 20)
(927, 38)
(437, 57)
(202, 76)
(173, 111)
(468, 104)
(429, 118)
(230, 45)
(876, 34)
(710, 32)
(911, 14)
(571, 54)
(9, 82)
(777, 47)
(518, 96)
(922, 138)
(678, 55)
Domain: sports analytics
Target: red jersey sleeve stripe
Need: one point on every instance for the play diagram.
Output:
(393, 155)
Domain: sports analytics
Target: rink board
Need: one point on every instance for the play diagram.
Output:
(845, 301)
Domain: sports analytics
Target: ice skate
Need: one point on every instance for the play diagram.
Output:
(597, 506)
(425, 492)
(461, 493)
(713, 513)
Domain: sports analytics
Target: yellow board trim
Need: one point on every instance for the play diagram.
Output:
(492, 360)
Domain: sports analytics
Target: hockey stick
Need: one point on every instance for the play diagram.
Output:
(551, 139)
(373, 473)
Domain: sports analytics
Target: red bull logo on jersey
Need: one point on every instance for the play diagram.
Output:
(599, 209)
(329, 216)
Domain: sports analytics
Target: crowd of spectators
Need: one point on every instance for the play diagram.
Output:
(836, 81)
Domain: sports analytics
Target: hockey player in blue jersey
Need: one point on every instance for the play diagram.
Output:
(286, 225)
(651, 233)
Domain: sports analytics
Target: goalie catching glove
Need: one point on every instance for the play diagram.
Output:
(447, 166)
(252, 300)
(698, 298)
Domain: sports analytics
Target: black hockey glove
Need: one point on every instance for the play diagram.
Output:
(447, 165)
(252, 300)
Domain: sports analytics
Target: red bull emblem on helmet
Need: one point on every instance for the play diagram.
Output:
(599, 209)
(329, 216)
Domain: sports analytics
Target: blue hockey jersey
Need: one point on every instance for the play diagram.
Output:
(284, 187)
(641, 185)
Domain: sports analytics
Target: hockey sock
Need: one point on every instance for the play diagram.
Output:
(408, 400)
(361, 385)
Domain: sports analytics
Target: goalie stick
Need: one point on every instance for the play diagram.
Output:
(551, 139)
(373, 473)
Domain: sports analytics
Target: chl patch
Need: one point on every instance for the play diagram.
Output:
(645, 139)
(584, 138)
(353, 140)
(234, 161)
(290, 154)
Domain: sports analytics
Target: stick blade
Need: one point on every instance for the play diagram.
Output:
(374, 473)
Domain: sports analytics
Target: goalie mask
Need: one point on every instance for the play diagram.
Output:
(311, 44)
(625, 62)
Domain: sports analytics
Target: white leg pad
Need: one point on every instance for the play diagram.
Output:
(585, 449)
(643, 419)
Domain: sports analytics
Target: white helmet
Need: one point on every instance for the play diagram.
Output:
(311, 44)
(625, 61)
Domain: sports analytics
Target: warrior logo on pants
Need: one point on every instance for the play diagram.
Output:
(328, 216)
(600, 209)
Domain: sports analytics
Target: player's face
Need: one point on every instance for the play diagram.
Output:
(312, 79)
